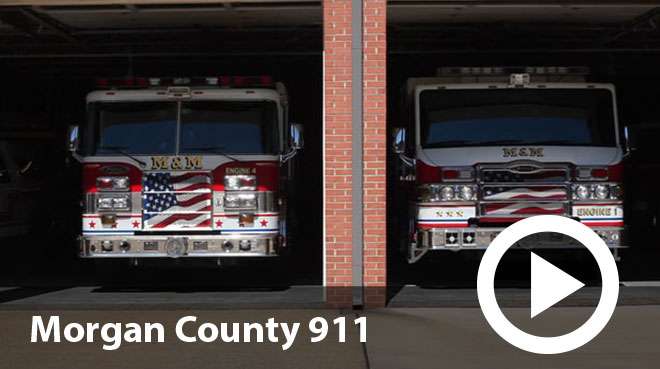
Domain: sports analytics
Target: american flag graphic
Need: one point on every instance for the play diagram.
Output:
(529, 192)
(175, 200)
(523, 208)
(513, 191)
(508, 176)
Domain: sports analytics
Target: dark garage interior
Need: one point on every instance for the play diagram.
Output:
(50, 58)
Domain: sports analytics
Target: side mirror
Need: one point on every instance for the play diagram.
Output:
(399, 143)
(297, 141)
(629, 140)
(73, 139)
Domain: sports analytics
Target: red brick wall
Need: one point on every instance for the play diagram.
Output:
(374, 116)
(337, 150)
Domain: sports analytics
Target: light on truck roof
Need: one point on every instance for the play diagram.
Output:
(220, 81)
(508, 70)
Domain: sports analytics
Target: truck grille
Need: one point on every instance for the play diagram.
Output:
(523, 190)
(176, 200)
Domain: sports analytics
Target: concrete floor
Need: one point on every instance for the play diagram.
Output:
(437, 338)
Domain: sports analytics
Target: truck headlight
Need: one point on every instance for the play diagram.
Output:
(240, 201)
(602, 191)
(112, 183)
(231, 201)
(104, 203)
(597, 191)
(242, 182)
(582, 192)
(113, 202)
(441, 192)
(247, 201)
(447, 193)
(120, 202)
(467, 193)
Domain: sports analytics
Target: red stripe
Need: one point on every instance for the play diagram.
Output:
(205, 223)
(493, 207)
(500, 220)
(173, 218)
(193, 187)
(535, 210)
(116, 215)
(603, 224)
(195, 200)
(185, 176)
(559, 196)
(531, 209)
(537, 188)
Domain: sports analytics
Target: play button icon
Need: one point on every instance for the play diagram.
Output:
(549, 285)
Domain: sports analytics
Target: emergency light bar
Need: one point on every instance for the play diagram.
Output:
(503, 71)
(222, 81)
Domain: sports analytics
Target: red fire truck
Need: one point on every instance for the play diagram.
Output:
(485, 147)
(186, 167)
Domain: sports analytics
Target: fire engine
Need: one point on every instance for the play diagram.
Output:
(186, 167)
(490, 146)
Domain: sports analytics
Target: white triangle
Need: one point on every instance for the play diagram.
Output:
(549, 285)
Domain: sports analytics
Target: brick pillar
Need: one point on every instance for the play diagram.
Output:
(337, 151)
(337, 198)
(375, 140)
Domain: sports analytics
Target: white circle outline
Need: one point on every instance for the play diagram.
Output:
(569, 341)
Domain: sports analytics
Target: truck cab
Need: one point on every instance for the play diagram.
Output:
(486, 147)
(185, 167)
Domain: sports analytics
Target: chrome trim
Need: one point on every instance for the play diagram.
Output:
(510, 167)
(266, 245)
(265, 202)
(435, 239)
(135, 199)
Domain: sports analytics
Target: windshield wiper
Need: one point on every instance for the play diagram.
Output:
(210, 149)
(121, 150)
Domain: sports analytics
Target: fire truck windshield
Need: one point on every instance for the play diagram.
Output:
(530, 116)
(205, 126)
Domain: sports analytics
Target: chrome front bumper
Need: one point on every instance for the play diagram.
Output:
(168, 246)
(479, 238)
(455, 239)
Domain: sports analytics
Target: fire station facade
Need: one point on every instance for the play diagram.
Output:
(354, 152)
